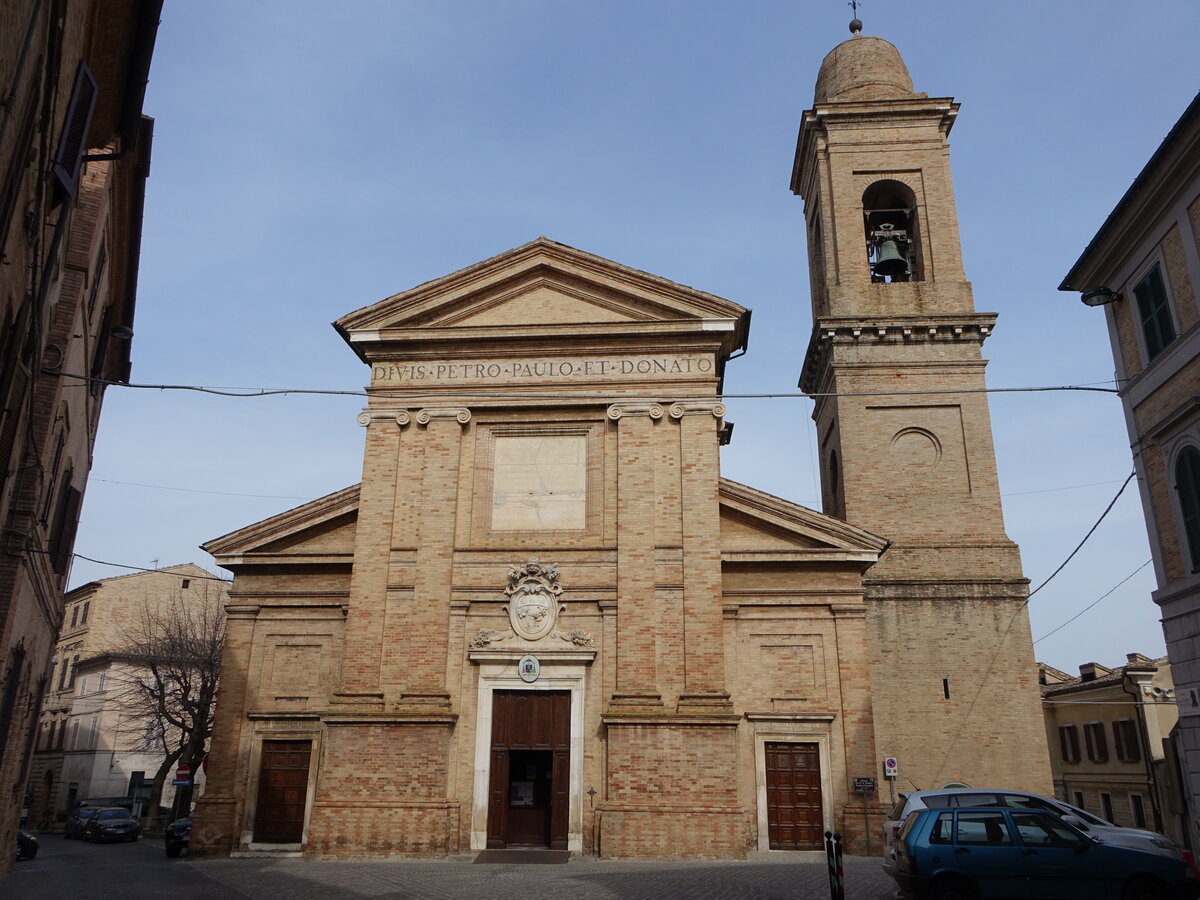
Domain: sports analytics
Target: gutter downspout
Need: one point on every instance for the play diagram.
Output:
(1144, 742)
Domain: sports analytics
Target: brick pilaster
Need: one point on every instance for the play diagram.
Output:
(368, 585)
(637, 675)
(702, 587)
(425, 675)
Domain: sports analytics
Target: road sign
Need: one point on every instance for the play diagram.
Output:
(891, 768)
(181, 782)
(183, 773)
(864, 785)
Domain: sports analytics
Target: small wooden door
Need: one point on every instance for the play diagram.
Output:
(795, 820)
(529, 785)
(282, 792)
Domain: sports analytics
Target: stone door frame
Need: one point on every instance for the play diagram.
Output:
(792, 729)
(561, 670)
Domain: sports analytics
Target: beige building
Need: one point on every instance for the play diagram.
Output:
(543, 619)
(1142, 267)
(93, 739)
(1108, 731)
(74, 157)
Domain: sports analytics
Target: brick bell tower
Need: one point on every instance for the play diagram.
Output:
(896, 370)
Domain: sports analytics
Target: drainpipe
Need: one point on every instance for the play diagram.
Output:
(1144, 742)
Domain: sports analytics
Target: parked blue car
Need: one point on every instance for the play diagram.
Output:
(963, 854)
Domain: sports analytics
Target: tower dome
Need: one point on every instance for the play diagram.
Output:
(863, 68)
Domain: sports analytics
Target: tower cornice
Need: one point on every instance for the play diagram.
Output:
(831, 331)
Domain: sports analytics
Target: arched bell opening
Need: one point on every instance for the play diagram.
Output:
(892, 234)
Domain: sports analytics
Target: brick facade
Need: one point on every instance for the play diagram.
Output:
(1154, 227)
(549, 403)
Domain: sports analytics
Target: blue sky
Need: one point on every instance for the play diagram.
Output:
(312, 158)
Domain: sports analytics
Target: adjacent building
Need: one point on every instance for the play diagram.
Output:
(96, 735)
(1109, 732)
(74, 157)
(544, 619)
(1142, 268)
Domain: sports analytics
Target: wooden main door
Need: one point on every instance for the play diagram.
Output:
(795, 820)
(529, 785)
(282, 791)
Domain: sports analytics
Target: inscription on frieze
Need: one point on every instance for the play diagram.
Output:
(556, 369)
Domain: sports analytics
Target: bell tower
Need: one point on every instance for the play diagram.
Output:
(895, 367)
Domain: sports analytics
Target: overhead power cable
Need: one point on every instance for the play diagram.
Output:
(101, 562)
(582, 395)
(983, 679)
(1094, 602)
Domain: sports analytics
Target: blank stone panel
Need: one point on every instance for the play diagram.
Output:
(539, 483)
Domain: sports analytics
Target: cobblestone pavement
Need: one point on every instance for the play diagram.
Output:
(580, 879)
(141, 871)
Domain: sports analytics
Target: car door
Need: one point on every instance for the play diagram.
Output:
(986, 852)
(1062, 863)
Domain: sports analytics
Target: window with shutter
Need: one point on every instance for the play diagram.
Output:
(62, 538)
(68, 159)
(1187, 484)
(1068, 740)
(1125, 741)
(1154, 311)
(1097, 744)
(10, 188)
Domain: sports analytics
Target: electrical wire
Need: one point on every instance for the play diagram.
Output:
(983, 680)
(443, 393)
(1093, 603)
(166, 487)
(101, 562)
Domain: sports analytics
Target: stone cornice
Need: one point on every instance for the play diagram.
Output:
(315, 512)
(829, 331)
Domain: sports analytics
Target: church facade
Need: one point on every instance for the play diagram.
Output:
(544, 619)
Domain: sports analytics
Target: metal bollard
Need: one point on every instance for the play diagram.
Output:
(833, 861)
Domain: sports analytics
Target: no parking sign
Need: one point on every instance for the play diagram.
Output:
(890, 767)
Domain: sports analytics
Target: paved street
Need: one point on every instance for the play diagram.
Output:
(141, 871)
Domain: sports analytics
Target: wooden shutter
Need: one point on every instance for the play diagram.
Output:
(68, 160)
(1187, 483)
(62, 538)
(10, 188)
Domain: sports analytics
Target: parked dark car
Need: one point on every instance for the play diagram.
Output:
(74, 827)
(111, 823)
(177, 835)
(27, 845)
(955, 854)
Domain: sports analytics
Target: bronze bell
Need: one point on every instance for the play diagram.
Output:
(888, 259)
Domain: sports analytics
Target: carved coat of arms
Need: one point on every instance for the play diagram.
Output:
(533, 591)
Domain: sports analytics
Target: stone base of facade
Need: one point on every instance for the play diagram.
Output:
(214, 824)
(412, 828)
(658, 831)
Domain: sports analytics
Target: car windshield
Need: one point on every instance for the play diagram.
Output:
(113, 814)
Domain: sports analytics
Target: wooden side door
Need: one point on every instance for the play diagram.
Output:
(795, 819)
(282, 792)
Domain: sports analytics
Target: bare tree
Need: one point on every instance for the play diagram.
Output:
(170, 656)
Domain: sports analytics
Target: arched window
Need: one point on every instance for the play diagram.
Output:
(1187, 483)
(893, 242)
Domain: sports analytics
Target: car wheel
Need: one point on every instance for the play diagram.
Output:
(1145, 889)
(952, 889)
(173, 851)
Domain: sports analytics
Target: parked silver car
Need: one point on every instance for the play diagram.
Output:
(951, 798)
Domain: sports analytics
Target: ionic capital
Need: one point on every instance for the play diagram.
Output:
(653, 410)
(399, 416)
(683, 408)
(460, 414)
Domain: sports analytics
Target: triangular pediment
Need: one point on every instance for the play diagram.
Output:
(759, 525)
(542, 286)
(324, 527)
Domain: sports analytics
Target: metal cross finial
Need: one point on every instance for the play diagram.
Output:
(855, 23)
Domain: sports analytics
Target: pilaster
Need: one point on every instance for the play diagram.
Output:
(425, 683)
(636, 669)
